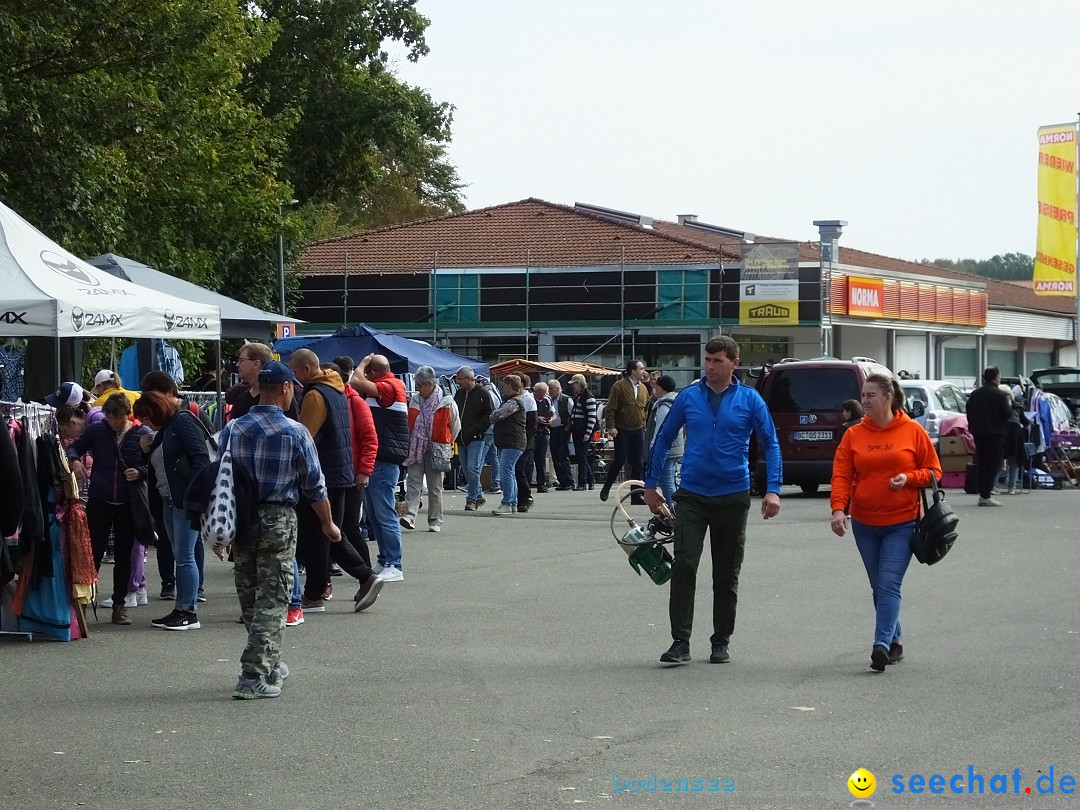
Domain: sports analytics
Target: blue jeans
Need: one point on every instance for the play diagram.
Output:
(380, 501)
(296, 598)
(472, 461)
(491, 458)
(667, 481)
(508, 457)
(1014, 471)
(182, 539)
(886, 553)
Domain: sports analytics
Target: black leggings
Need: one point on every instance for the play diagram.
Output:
(101, 517)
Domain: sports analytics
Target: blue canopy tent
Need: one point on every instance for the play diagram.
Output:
(360, 340)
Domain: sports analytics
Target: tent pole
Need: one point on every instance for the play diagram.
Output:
(59, 378)
(218, 411)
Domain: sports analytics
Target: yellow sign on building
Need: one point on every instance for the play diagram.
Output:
(769, 303)
(1055, 247)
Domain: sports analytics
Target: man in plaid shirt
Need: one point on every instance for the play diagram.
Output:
(280, 456)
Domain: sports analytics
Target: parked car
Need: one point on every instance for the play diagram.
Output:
(804, 398)
(930, 401)
(1064, 381)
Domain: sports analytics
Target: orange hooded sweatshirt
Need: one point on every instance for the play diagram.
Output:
(869, 457)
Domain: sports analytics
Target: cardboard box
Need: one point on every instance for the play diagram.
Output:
(952, 446)
(954, 464)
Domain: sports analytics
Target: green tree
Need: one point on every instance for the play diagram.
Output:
(1004, 267)
(365, 141)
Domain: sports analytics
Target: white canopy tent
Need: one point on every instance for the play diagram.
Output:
(47, 292)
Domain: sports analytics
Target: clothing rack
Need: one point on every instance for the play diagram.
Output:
(38, 420)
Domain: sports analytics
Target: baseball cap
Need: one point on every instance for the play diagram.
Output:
(68, 393)
(275, 373)
(103, 376)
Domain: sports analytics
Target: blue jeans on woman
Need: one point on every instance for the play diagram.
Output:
(886, 553)
(508, 457)
(183, 540)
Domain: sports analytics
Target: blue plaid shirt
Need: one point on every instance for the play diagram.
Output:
(278, 453)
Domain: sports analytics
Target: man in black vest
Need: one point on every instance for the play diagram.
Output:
(559, 427)
(324, 411)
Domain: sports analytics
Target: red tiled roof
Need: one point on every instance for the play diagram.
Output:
(532, 231)
(545, 234)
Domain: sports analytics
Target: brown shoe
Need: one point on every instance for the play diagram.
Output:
(119, 615)
(368, 593)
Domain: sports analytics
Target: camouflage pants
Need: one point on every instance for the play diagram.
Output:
(264, 581)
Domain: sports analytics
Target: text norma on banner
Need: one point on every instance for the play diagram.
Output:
(1055, 248)
(866, 297)
(765, 303)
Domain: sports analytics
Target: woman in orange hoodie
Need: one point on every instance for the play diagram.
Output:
(879, 468)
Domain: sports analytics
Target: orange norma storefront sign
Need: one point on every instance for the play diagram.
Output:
(866, 297)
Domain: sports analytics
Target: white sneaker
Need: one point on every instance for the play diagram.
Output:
(406, 522)
(434, 527)
(1012, 490)
(391, 574)
(129, 601)
(377, 568)
(140, 597)
(988, 502)
(132, 600)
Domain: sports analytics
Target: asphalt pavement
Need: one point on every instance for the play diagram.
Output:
(517, 666)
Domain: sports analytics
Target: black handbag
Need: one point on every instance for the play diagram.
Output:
(141, 519)
(935, 530)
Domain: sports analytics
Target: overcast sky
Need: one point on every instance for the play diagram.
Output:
(915, 121)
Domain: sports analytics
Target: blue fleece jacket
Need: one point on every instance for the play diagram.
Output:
(717, 442)
(107, 480)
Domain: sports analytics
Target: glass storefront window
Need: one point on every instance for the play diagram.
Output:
(961, 363)
(1005, 359)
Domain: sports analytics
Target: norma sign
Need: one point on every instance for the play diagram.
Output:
(866, 297)
(286, 330)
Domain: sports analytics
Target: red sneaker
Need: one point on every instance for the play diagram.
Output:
(328, 593)
(294, 617)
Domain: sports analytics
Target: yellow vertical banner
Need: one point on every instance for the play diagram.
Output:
(1055, 246)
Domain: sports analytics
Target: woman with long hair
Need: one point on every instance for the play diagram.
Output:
(178, 452)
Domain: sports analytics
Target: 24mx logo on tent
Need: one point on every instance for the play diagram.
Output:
(81, 319)
(14, 317)
(173, 321)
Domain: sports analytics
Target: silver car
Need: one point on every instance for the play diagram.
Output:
(929, 401)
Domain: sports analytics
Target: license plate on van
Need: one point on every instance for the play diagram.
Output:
(813, 435)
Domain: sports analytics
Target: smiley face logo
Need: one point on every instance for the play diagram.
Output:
(862, 784)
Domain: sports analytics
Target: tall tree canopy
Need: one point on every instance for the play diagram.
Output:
(1007, 267)
(172, 131)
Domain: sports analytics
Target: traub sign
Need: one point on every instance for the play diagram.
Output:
(866, 297)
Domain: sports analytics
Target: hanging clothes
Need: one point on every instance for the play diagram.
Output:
(32, 531)
(11, 504)
(43, 601)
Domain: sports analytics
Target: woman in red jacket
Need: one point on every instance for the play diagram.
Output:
(879, 468)
(433, 420)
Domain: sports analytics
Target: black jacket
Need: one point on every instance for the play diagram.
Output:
(989, 409)
(475, 408)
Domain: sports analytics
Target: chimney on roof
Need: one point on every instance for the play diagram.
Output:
(684, 218)
(829, 231)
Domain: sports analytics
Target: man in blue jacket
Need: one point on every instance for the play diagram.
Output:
(719, 414)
